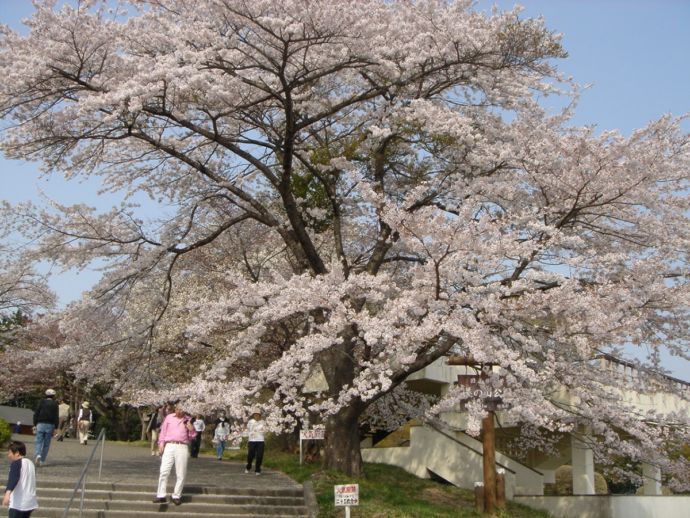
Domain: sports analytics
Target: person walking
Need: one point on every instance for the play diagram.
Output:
(173, 443)
(155, 421)
(20, 492)
(63, 419)
(84, 420)
(255, 429)
(220, 435)
(199, 427)
(45, 421)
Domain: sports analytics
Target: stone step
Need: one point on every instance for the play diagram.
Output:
(287, 491)
(175, 512)
(132, 499)
(190, 508)
(210, 498)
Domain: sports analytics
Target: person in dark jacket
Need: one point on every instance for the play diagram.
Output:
(45, 421)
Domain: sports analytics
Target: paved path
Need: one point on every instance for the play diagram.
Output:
(126, 463)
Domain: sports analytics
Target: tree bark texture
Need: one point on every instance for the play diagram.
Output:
(341, 444)
(341, 448)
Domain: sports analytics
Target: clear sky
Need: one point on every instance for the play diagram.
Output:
(633, 53)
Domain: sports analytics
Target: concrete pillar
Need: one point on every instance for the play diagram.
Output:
(583, 467)
(651, 476)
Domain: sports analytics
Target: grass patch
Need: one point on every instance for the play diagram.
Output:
(389, 492)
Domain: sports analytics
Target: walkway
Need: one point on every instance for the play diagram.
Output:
(134, 464)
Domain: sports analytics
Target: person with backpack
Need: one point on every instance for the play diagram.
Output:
(84, 420)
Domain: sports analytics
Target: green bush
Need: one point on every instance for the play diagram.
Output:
(5, 432)
(564, 482)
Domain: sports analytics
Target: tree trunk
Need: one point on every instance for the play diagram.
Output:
(288, 442)
(341, 448)
(341, 443)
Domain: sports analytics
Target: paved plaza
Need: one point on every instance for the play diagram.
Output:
(123, 463)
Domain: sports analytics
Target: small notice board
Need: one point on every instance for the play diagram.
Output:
(314, 434)
(346, 495)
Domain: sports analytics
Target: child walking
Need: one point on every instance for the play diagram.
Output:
(20, 494)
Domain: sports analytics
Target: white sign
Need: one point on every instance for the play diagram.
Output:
(315, 434)
(346, 495)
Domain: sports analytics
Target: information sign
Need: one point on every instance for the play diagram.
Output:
(346, 495)
(315, 434)
(318, 433)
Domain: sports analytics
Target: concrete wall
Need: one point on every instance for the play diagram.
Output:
(456, 457)
(527, 480)
(610, 506)
(430, 451)
(440, 372)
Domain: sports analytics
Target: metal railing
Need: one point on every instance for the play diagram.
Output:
(81, 483)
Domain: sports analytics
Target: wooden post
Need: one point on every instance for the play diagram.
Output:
(479, 496)
(500, 489)
(489, 457)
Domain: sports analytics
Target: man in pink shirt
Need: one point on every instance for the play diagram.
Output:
(176, 433)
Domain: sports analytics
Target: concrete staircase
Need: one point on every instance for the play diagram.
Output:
(110, 500)
(455, 457)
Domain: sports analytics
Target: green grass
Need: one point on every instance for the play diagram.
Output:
(389, 492)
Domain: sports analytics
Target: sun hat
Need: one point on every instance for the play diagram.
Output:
(50, 392)
(85, 404)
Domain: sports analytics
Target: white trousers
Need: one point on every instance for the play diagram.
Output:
(177, 454)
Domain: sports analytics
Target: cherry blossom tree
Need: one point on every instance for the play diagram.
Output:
(349, 192)
(23, 291)
(22, 288)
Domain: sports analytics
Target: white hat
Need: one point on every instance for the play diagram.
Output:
(85, 404)
(50, 392)
(256, 411)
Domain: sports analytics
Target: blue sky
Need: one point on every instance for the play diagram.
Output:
(634, 53)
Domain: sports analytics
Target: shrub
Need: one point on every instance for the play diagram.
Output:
(5, 432)
(564, 482)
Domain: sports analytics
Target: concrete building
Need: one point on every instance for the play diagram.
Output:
(443, 449)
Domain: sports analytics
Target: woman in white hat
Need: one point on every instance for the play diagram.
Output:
(84, 420)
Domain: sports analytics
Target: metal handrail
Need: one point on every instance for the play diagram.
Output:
(81, 483)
